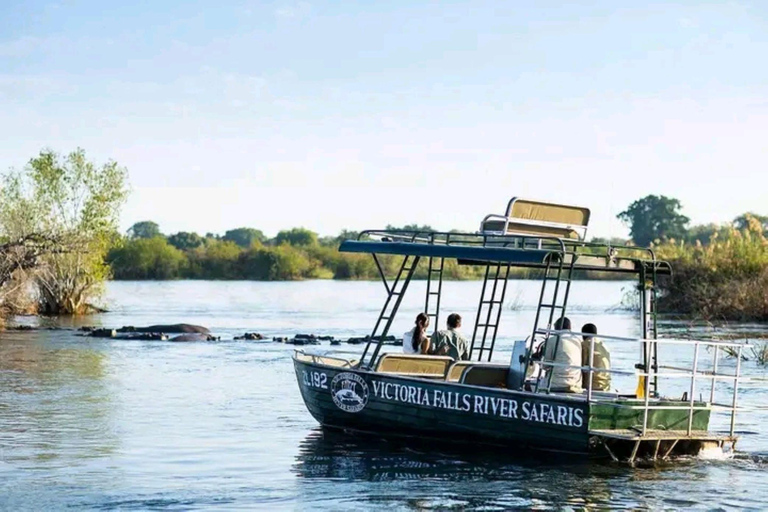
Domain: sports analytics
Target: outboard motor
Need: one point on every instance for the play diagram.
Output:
(516, 375)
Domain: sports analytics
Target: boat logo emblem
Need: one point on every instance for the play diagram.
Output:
(349, 392)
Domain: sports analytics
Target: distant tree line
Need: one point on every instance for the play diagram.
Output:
(246, 253)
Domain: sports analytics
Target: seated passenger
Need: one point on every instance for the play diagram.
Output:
(450, 342)
(601, 359)
(416, 341)
(564, 349)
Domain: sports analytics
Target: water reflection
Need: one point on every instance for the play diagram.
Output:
(54, 405)
(463, 478)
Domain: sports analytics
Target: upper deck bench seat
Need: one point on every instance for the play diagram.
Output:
(525, 217)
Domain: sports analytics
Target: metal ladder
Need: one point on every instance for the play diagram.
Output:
(388, 312)
(435, 270)
(560, 274)
(489, 311)
(650, 357)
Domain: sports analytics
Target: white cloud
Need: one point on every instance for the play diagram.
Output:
(294, 10)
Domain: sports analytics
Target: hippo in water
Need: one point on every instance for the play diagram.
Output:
(194, 337)
(171, 328)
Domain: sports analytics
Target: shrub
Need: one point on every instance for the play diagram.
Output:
(147, 258)
(726, 279)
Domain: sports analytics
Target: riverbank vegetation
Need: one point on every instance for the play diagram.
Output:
(245, 253)
(58, 219)
(725, 278)
(720, 272)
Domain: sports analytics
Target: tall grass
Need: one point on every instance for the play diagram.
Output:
(726, 279)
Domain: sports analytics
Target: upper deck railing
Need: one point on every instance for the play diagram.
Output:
(589, 256)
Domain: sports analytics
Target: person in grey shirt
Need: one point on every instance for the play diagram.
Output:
(450, 342)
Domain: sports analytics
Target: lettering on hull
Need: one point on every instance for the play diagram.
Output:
(350, 392)
(512, 408)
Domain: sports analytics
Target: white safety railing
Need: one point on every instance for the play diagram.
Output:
(676, 372)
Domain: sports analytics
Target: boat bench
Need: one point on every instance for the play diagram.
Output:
(525, 217)
(414, 365)
(326, 360)
(478, 374)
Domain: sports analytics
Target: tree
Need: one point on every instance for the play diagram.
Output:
(144, 229)
(146, 258)
(702, 233)
(614, 241)
(743, 221)
(296, 237)
(244, 237)
(186, 241)
(411, 227)
(654, 218)
(77, 204)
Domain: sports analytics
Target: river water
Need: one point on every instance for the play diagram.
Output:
(109, 424)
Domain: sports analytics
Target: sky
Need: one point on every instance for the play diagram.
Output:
(352, 115)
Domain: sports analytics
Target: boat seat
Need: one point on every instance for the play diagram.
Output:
(524, 217)
(414, 365)
(487, 375)
(326, 360)
(456, 369)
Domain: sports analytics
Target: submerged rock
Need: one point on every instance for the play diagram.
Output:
(250, 336)
(22, 328)
(102, 333)
(303, 339)
(388, 340)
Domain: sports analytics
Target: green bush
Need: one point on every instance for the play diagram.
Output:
(727, 279)
(147, 258)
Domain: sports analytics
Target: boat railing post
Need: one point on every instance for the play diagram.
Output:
(693, 385)
(646, 397)
(714, 374)
(590, 362)
(735, 389)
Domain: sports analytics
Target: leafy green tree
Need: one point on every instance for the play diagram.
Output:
(411, 227)
(77, 204)
(702, 233)
(216, 259)
(743, 221)
(615, 241)
(283, 263)
(244, 237)
(185, 241)
(144, 229)
(654, 218)
(147, 258)
(296, 237)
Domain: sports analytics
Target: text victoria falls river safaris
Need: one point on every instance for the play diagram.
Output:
(525, 410)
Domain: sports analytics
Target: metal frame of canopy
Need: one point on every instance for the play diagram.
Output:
(555, 256)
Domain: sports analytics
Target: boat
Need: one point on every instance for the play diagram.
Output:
(487, 402)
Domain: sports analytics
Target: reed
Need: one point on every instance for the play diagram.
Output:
(726, 279)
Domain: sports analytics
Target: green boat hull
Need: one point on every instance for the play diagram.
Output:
(397, 406)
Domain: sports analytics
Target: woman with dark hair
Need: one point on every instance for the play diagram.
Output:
(416, 341)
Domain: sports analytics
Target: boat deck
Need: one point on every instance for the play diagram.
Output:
(661, 435)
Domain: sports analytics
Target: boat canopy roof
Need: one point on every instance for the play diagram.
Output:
(525, 251)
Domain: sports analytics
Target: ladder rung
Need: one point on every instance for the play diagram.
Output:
(434, 293)
(553, 306)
